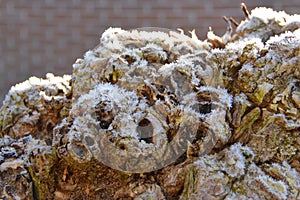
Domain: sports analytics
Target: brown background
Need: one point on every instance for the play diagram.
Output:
(40, 36)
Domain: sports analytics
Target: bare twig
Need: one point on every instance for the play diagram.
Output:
(227, 36)
(229, 27)
(226, 19)
(233, 21)
(245, 10)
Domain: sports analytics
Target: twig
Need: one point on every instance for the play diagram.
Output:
(229, 27)
(226, 19)
(233, 21)
(245, 10)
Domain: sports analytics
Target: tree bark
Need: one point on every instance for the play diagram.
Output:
(154, 114)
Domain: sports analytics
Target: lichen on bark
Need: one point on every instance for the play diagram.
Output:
(229, 107)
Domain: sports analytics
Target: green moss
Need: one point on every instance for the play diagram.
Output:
(260, 92)
(189, 184)
(247, 122)
(39, 187)
(114, 76)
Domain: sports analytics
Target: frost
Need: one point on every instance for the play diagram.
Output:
(235, 160)
(267, 14)
(291, 176)
(213, 119)
(247, 68)
(14, 164)
(110, 33)
(277, 188)
(224, 98)
(241, 44)
(285, 42)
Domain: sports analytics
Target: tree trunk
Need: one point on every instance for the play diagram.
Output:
(154, 114)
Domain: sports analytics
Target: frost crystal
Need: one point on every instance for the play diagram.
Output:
(150, 94)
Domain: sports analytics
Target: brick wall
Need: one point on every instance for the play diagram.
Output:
(40, 36)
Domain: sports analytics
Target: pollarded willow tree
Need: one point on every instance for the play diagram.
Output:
(155, 114)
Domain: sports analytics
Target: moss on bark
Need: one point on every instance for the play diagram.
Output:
(242, 140)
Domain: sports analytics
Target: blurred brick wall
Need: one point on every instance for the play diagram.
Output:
(40, 36)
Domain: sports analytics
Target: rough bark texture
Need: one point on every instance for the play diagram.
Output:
(235, 99)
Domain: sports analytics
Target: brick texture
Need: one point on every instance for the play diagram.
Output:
(40, 36)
